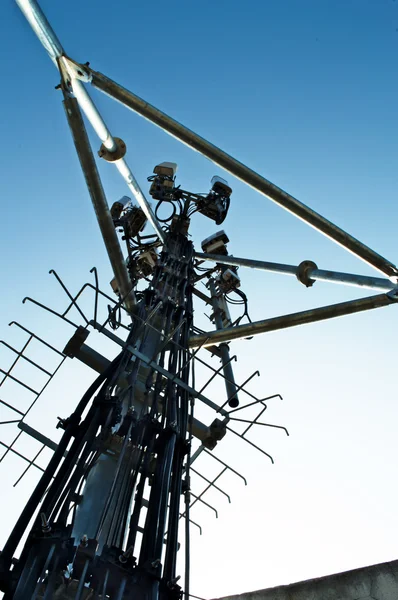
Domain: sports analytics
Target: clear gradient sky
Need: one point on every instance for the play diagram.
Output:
(305, 92)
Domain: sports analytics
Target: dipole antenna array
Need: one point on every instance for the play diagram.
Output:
(103, 520)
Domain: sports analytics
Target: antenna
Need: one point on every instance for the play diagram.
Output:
(103, 520)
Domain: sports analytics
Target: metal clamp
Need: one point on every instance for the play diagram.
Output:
(303, 272)
(109, 156)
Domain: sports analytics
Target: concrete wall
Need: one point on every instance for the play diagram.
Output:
(377, 582)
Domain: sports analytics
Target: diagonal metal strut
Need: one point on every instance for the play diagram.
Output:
(301, 318)
(239, 170)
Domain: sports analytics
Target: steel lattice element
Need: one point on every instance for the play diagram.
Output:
(106, 510)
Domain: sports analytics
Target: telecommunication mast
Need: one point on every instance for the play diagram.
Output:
(103, 521)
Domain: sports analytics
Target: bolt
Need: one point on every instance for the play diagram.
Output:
(172, 582)
(155, 563)
(123, 558)
(84, 541)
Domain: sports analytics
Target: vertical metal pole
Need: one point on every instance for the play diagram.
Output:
(230, 386)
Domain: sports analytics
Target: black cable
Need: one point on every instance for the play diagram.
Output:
(81, 465)
(164, 483)
(168, 218)
(244, 302)
(35, 499)
(187, 495)
(114, 483)
(204, 269)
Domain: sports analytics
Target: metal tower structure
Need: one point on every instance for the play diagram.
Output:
(103, 520)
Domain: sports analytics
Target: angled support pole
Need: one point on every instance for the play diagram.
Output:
(239, 170)
(306, 272)
(292, 320)
(98, 199)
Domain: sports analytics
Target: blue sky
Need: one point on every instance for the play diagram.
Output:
(305, 92)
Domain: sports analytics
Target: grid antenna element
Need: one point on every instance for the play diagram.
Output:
(36, 394)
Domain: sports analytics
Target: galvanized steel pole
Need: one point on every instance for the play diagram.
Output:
(135, 189)
(375, 283)
(93, 115)
(42, 28)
